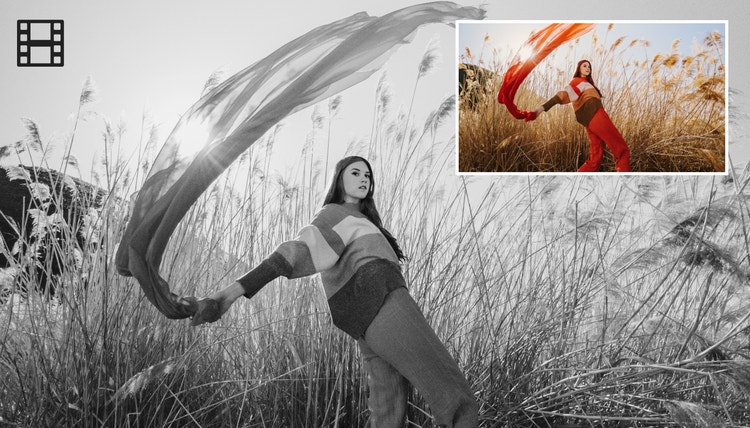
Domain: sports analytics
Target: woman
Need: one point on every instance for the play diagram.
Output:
(359, 264)
(587, 104)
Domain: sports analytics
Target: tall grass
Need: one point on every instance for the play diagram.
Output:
(670, 108)
(592, 301)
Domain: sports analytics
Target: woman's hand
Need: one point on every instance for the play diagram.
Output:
(212, 308)
(537, 111)
(532, 115)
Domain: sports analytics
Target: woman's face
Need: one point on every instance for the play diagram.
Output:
(585, 69)
(356, 181)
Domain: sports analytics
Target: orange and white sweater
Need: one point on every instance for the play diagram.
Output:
(358, 266)
(584, 96)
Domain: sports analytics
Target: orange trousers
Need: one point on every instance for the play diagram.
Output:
(602, 131)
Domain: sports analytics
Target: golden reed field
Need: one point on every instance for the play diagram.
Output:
(670, 108)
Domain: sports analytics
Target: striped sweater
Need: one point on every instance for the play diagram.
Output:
(358, 267)
(584, 96)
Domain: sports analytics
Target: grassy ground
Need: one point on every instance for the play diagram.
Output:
(670, 109)
(567, 301)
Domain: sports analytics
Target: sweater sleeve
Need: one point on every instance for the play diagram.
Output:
(561, 97)
(317, 247)
(253, 281)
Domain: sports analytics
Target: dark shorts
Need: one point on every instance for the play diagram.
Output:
(355, 305)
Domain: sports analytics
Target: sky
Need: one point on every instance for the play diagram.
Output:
(154, 57)
(509, 36)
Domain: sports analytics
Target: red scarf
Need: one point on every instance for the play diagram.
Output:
(542, 43)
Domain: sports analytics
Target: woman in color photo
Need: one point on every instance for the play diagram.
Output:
(587, 104)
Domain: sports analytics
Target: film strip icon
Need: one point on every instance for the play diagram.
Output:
(40, 43)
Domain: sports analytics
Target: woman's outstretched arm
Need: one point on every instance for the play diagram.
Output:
(316, 248)
(561, 97)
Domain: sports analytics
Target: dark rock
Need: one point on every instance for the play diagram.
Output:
(474, 82)
(42, 223)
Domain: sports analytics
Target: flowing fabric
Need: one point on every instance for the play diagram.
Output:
(231, 117)
(540, 44)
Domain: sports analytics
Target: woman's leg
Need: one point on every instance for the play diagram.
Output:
(387, 390)
(401, 336)
(601, 125)
(596, 152)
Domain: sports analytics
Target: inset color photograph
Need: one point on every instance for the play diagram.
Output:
(592, 97)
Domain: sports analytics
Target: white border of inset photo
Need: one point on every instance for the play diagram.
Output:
(631, 60)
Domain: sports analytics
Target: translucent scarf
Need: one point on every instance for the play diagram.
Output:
(540, 45)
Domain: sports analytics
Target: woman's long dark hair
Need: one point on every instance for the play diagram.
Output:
(588, 78)
(336, 194)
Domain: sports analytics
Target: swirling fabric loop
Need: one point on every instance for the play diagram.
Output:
(540, 44)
